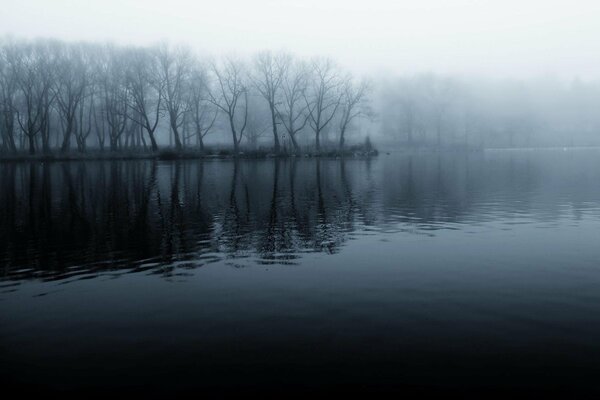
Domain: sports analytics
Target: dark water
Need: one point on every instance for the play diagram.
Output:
(476, 272)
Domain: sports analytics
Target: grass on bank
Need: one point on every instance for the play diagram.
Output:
(361, 150)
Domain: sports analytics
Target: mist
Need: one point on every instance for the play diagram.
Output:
(300, 198)
(508, 39)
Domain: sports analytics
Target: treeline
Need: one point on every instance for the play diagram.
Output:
(445, 111)
(58, 97)
(64, 97)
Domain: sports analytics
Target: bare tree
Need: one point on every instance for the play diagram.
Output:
(33, 79)
(258, 123)
(203, 113)
(439, 92)
(83, 125)
(114, 95)
(175, 67)
(8, 93)
(323, 96)
(71, 83)
(353, 105)
(270, 70)
(229, 91)
(408, 95)
(99, 123)
(293, 112)
(146, 89)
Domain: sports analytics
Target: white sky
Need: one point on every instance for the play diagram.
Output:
(491, 37)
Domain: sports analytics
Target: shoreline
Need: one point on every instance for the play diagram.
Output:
(172, 155)
(169, 155)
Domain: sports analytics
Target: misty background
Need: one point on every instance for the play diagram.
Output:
(465, 73)
(491, 38)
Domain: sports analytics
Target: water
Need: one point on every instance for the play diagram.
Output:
(473, 272)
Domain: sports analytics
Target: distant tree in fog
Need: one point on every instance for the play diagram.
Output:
(353, 99)
(146, 90)
(409, 100)
(34, 80)
(8, 93)
(323, 96)
(229, 93)
(293, 111)
(83, 127)
(268, 75)
(113, 92)
(203, 113)
(440, 93)
(71, 83)
(259, 121)
(175, 67)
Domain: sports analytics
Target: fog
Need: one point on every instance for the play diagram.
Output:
(508, 38)
(300, 196)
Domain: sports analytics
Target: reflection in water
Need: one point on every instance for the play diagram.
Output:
(475, 271)
(63, 219)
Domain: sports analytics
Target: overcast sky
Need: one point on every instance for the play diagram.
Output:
(521, 38)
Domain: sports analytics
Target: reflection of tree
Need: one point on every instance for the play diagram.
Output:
(234, 222)
(350, 203)
(99, 216)
(269, 242)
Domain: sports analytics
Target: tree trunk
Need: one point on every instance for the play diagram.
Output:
(67, 140)
(276, 145)
(295, 144)
(342, 139)
(318, 142)
(31, 144)
(236, 145)
(10, 140)
(114, 144)
(152, 140)
(45, 132)
(200, 142)
(178, 145)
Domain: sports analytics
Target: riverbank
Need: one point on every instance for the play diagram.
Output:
(172, 154)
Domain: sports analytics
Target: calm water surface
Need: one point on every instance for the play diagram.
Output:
(471, 272)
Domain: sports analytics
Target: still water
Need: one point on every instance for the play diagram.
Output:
(460, 271)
